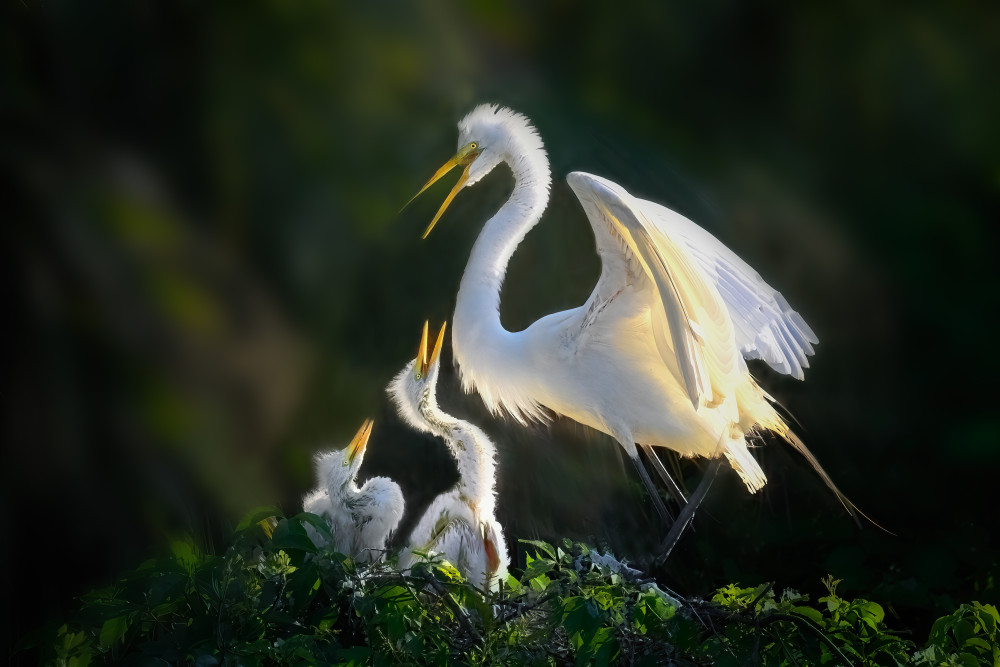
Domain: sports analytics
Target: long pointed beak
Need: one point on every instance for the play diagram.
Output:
(360, 441)
(463, 157)
(420, 363)
(437, 345)
(423, 362)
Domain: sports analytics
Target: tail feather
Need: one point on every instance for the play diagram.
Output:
(851, 508)
(745, 465)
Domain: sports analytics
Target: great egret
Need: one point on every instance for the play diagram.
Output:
(459, 524)
(361, 519)
(657, 353)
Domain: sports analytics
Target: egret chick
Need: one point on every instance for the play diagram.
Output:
(460, 524)
(361, 519)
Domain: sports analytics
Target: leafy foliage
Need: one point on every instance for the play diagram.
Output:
(275, 598)
(964, 638)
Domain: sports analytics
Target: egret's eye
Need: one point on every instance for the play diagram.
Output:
(418, 375)
(473, 145)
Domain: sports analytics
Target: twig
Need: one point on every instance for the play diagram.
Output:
(756, 621)
(463, 617)
(523, 609)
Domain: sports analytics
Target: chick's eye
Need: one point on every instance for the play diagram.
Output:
(473, 145)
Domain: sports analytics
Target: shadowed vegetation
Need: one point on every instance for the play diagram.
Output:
(273, 598)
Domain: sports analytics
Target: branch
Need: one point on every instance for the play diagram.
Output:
(463, 617)
(801, 620)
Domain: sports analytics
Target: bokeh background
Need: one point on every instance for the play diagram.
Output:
(208, 278)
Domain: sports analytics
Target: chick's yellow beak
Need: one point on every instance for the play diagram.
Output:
(360, 441)
(464, 157)
(423, 362)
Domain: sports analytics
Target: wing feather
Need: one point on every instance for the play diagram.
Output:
(691, 324)
(766, 326)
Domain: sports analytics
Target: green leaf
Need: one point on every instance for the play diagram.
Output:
(290, 534)
(185, 554)
(578, 615)
(963, 631)
(256, 515)
(539, 583)
(513, 585)
(544, 547)
(318, 523)
(978, 643)
(939, 631)
(603, 648)
(813, 615)
(302, 588)
(355, 656)
(166, 586)
(445, 572)
(113, 630)
(871, 609)
(396, 594)
(99, 611)
(968, 660)
(537, 567)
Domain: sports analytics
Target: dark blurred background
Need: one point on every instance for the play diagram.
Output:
(208, 277)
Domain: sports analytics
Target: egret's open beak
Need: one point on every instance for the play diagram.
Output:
(360, 441)
(422, 362)
(463, 157)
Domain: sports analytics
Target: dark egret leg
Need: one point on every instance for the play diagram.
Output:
(687, 514)
(625, 438)
(673, 488)
(654, 494)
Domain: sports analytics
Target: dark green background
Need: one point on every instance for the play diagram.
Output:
(208, 277)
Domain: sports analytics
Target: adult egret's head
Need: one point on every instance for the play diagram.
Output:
(414, 388)
(487, 136)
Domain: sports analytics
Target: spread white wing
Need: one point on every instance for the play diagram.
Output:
(765, 326)
(691, 323)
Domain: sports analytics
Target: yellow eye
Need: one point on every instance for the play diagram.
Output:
(473, 145)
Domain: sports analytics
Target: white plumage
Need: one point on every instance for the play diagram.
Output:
(461, 523)
(656, 355)
(361, 519)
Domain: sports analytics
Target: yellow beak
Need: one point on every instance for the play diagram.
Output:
(463, 157)
(422, 362)
(360, 441)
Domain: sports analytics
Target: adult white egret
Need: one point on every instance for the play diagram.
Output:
(361, 519)
(460, 524)
(656, 355)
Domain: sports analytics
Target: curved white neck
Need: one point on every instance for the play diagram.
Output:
(473, 451)
(478, 337)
